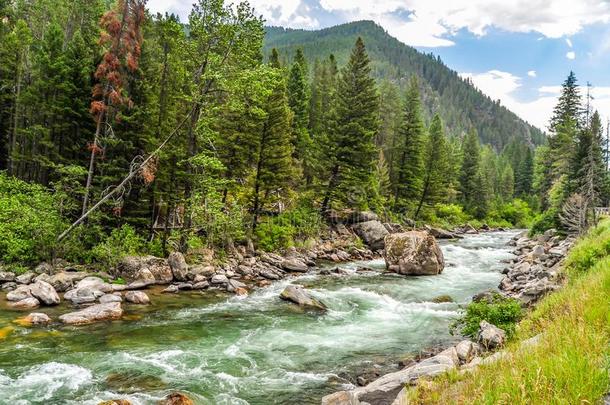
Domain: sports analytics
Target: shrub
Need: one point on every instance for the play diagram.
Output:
(593, 247)
(29, 222)
(450, 215)
(517, 213)
(499, 311)
(121, 242)
(544, 221)
(286, 229)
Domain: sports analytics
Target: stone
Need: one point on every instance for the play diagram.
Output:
(176, 398)
(202, 285)
(129, 267)
(243, 292)
(466, 350)
(234, 284)
(171, 289)
(295, 265)
(95, 284)
(200, 271)
(357, 217)
(116, 402)
(45, 293)
(442, 299)
(490, 336)
(137, 297)
(143, 278)
(178, 265)
(538, 251)
(63, 281)
(94, 313)
(219, 279)
(439, 233)
(25, 278)
(413, 253)
(37, 318)
(106, 298)
(372, 233)
(184, 286)
(44, 268)
(20, 293)
(340, 398)
(298, 295)
(26, 303)
(9, 286)
(6, 276)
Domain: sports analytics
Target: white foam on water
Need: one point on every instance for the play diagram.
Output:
(44, 381)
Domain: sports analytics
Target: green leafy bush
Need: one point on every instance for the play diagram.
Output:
(29, 222)
(121, 242)
(500, 311)
(517, 213)
(286, 229)
(544, 221)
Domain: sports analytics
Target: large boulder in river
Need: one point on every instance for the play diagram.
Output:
(372, 233)
(295, 264)
(298, 295)
(20, 293)
(413, 253)
(44, 292)
(178, 265)
(94, 313)
(130, 266)
(176, 398)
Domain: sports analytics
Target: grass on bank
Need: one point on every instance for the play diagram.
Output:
(571, 362)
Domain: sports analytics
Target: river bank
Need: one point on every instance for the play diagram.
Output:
(255, 349)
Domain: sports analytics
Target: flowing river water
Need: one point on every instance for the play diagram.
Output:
(247, 350)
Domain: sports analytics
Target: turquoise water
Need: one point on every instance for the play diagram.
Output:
(258, 349)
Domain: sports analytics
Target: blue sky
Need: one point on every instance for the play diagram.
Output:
(518, 51)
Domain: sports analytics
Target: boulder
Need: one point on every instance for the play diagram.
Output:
(296, 265)
(538, 251)
(413, 253)
(356, 217)
(466, 350)
(143, 278)
(219, 279)
(171, 289)
(94, 284)
(6, 276)
(26, 303)
(372, 233)
(94, 313)
(9, 286)
(439, 233)
(45, 293)
(298, 295)
(20, 293)
(129, 267)
(178, 265)
(176, 398)
(490, 336)
(37, 318)
(200, 271)
(25, 278)
(201, 285)
(63, 281)
(116, 402)
(137, 297)
(44, 268)
(106, 298)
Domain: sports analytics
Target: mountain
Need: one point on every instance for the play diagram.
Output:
(460, 104)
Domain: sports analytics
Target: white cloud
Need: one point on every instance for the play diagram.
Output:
(502, 86)
(569, 42)
(571, 55)
(531, 73)
(432, 21)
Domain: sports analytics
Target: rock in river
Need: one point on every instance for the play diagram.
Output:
(94, 313)
(137, 297)
(26, 303)
(20, 293)
(294, 265)
(176, 398)
(178, 265)
(413, 253)
(298, 295)
(44, 292)
(36, 318)
(372, 233)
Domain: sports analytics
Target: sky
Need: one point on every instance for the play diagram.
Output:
(517, 51)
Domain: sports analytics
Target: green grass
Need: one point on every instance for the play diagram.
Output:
(571, 362)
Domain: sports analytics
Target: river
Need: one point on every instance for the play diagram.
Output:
(247, 350)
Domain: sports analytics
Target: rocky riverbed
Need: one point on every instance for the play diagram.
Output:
(246, 349)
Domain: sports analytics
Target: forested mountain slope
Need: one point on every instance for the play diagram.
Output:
(461, 105)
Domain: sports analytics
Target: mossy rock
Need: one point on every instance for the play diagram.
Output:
(442, 298)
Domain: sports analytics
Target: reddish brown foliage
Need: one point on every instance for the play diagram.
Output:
(148, 171)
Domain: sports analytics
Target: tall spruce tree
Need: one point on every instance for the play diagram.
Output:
(436, 166)
(298, 99)
(408, 156)
(471, 182)
(350, 149)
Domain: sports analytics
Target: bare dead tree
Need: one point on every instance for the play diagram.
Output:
(573, 214)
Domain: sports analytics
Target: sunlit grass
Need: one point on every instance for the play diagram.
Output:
(570, 363)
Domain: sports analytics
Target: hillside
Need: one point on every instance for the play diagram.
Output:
(460, 104)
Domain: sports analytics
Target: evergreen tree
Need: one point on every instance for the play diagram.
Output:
(436, 166)
(409, 151)
(274, 165)
(525, 175)
(274, 59)
(471, 182)
(351, 147)
(298, 99)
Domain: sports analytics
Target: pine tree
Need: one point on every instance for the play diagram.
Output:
(274, 164)
(298, 99)
(471, 182)
(436, 166)
(274, 59)
(351, 149)
(525, 174)
(569, 104)
(409, 151)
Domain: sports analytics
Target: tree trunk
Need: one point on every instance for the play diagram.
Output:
(331, 184)
(92, 163)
